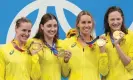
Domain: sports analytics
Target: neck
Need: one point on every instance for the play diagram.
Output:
(20, 43)
(114, 31)
(86, 37)
(49, 41)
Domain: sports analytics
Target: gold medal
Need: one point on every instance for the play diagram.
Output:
(35, 47)
(118, 34)
(101, 42)
(61, 53)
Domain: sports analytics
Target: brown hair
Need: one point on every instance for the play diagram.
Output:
(44, 19)
(22, 20)
(106, 24)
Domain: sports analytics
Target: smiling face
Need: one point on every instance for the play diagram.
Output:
(85, 24)
(23, 31)
(50, 28)
(115, 21)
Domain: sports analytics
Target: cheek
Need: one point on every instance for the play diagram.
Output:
(45, 31)
(29, 33)
(110, 23)
(91, 25)
(121, 21)
(56, 29)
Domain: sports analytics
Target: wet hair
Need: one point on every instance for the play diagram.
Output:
(45, 18)
(106, 16)
(22, 20)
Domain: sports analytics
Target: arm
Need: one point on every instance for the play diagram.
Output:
(65, 68)
(65, 64)
(35, 68)
(103, 59)
(129, 67)
(2, 66)
(126, 58)
(34, 47)
(103, 64)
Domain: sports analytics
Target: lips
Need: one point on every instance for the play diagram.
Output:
(24, 37)
(116, 25)
(52, 32)
(87, 29)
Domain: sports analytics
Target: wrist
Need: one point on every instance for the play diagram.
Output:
(65, 61)
(117, 45)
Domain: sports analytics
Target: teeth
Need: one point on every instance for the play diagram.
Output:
(25, 37)
(86, 29)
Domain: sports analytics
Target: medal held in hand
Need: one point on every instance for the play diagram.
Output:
(35, 47)
(101, 42)
(61, 53)
(118, 35)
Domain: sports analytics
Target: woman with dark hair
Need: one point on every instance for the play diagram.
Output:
(87, 60)
(15, 62)
(44, 47)
(119, 46)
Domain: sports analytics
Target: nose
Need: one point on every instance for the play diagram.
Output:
(115, 21)
(27, 33)
(53, 28)
(86, 25)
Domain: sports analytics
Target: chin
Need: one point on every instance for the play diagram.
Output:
(24, 40)
(51, 36)
(117, 29)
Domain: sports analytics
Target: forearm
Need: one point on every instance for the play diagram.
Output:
(103, 64)
(124, 58)
(65, 69)
(35, 68)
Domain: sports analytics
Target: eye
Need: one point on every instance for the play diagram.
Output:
(83, 22)
(55, 25)
(112, 19)
(89, 21)
(29, 31)
(49, 25)
(24, 30)
(118, 18)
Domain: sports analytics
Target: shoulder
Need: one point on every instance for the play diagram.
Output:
(71, 39)
(66, 42)
(130, 32)
(33, 40)
(6, 46)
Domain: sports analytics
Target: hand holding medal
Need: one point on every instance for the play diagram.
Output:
(101, 41)
(118, 35)
(61, 53)
(67, 56)
(35, 47)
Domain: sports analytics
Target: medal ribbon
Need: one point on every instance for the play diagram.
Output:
(16, 47)
(53, 48)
